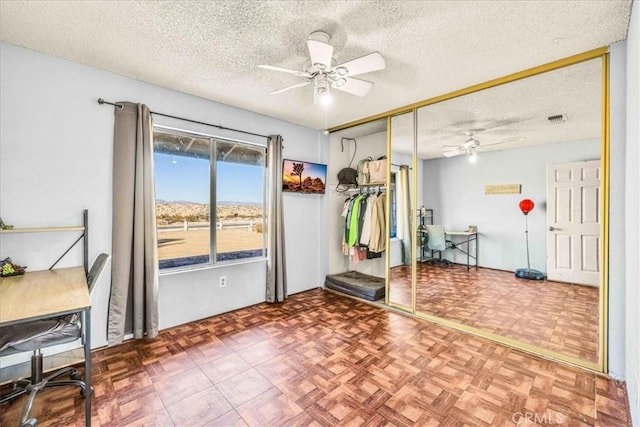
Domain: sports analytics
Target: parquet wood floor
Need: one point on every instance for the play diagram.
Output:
(321, 359)
(400, 285)
(562, 317)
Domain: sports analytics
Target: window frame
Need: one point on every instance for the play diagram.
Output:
(213, 201)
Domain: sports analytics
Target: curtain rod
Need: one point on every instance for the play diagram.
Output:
(101, 101)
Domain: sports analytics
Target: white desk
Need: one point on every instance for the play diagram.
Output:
(469, 236)
(50, 293)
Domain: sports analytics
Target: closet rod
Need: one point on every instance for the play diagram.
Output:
(101, 101)
(367, 188)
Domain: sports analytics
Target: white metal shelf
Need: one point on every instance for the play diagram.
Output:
(84, 236)
(41, 229)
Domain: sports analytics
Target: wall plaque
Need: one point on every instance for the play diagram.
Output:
(503, 189)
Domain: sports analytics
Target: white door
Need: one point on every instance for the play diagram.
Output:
(573, 222)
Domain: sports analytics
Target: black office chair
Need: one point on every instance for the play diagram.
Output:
(38, 334)
(437, 243)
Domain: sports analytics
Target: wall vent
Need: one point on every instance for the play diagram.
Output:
(557, 119)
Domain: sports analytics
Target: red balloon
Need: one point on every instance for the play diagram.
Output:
(526, 205)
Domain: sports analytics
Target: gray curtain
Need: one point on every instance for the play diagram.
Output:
(276, 265)
(134, 266)
(405, 200)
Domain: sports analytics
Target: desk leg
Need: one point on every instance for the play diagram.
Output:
(477, 241)
(88, 395)
(468, 251)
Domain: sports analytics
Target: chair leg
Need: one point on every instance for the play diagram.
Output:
(33, 390)
(36, 383)
(65, 383)
(20, 390)
(71, 371)
(22, 386)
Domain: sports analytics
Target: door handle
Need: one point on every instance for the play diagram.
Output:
(552, 228)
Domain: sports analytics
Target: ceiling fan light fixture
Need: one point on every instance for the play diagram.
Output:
(341, 71)
(322, 92)
(473, 156)
(321, 72)
(339, 82)
(325, 100)
(321, 84)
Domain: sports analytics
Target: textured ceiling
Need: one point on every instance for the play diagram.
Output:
(212, 49)
(510, 116)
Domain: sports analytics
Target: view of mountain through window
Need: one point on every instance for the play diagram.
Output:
(185, 177)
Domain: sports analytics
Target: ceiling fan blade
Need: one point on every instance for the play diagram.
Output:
(321, 53)
(355, 86)
(289, 87)
(470, 143)
(285, 70)
(504, 141)
(451, 150)
(365, 64)
(451, 153)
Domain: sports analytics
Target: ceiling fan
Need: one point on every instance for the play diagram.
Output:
(471, 146)
(324, 76)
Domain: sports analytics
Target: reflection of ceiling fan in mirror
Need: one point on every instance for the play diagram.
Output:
(324, 76)
(472, 146)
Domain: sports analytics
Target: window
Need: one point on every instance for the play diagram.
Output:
(194, 173)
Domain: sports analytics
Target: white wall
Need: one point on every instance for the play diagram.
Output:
(617, 235)
(373, 146)
(454, 189)
(56, 159)
(632, 215)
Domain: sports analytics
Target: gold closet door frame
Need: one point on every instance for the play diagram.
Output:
(411, 309)
(603, 53)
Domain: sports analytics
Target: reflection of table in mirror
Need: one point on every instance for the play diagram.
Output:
(458, 238)
(466, 238)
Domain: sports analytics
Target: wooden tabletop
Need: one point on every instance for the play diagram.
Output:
(43, 293)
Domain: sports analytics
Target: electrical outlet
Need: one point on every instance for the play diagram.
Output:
(223, 281)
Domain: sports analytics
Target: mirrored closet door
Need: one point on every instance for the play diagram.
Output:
(538, 139)
(510, 177)
(497, 209)
(401, 207)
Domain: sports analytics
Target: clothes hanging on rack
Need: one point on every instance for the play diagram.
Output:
(364, 231)
(378, 239)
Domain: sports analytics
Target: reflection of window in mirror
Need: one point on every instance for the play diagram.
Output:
(393, 219)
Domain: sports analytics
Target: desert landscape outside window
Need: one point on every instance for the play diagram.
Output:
(188, 183)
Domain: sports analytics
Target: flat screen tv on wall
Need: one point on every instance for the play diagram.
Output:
(303, 177)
